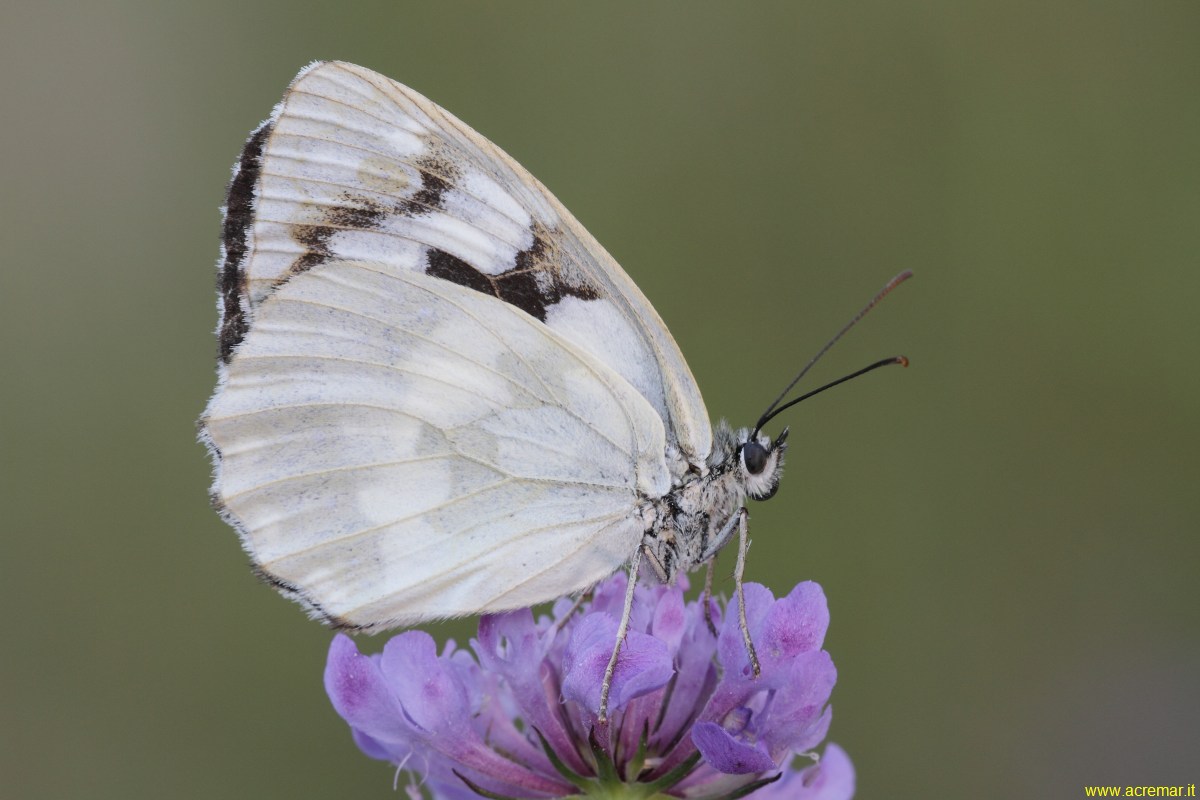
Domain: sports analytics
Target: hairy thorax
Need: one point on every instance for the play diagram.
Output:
(687, 527)
(691, 523)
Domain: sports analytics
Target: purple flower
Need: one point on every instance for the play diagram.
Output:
(687, 718)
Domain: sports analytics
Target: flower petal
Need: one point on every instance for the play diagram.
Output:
(836, 779)
(798, 717)
(728, 754)
(509, 646)
(426, 688)
(643, 664)
(695, 678)
(670, 620)
(731, 647)
(795, 624)
(375, 749)
(831, 779)
(454, 714)
(360, 694)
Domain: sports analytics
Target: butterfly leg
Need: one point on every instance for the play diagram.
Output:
(706, 598)
(743, 546)
(567, 617)
(634, 563)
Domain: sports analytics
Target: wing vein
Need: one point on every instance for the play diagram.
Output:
(518, 246)
(425, 339)
(339, 404)
(392, 367)
(383, 156)
(228, 498)
(522, 535)
(374, 231)
(541, 328)
(586, 544)
(400, 520)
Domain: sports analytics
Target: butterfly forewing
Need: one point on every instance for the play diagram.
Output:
(353, 165)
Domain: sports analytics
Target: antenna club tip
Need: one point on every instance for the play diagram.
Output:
(902, 360)
(892, 284)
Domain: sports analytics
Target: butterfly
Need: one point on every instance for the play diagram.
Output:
(437, 394)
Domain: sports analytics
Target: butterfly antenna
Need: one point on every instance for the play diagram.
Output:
(774, 408)
(901, 360)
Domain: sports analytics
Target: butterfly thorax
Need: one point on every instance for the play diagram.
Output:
(690, 524)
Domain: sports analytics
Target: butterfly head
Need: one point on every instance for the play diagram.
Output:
(761, 462)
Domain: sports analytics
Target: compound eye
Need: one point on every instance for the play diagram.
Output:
(754, 456)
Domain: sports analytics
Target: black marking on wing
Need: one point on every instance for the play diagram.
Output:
(363, 214)
(239, 214)
(451, 268)
(533, 284)
(366, 214)
(432, 192)
(536, 280)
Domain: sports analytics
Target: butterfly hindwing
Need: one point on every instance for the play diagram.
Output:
(394, 448)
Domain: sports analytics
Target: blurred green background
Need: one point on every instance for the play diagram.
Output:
(1007, 531)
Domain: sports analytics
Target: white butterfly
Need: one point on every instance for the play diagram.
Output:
(438, 395)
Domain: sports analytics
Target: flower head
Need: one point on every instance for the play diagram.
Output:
(687, 717)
